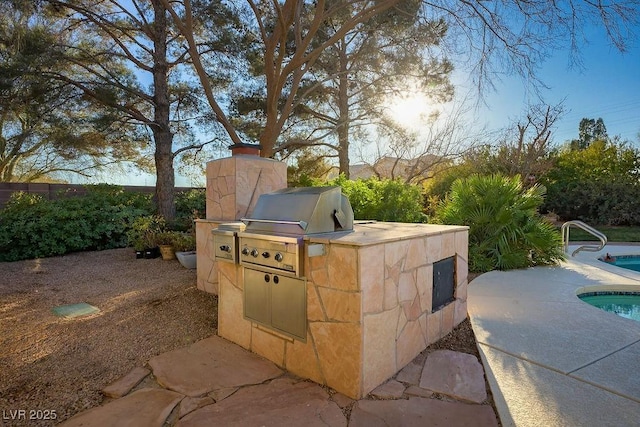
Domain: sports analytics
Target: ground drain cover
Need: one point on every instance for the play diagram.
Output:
(75, 310)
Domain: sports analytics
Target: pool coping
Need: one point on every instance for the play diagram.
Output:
(551, 359)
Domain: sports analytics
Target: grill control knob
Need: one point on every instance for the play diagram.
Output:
(278, 257)
(266, 254)
(245, 251)
(254, 253)
(225, 248)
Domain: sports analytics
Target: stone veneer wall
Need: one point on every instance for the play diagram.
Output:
(396, 305)
(233, 187)
(368, 309)
(235, 183)
(207, 273)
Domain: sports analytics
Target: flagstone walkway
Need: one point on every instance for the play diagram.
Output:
(215, 382)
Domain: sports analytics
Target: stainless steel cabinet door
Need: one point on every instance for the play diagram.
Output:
(257, 296)
(276, 301)
(289, 305)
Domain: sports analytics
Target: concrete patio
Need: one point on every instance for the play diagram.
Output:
(551, 359)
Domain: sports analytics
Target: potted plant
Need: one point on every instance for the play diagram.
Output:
(138, 246)
(166, 241)
(151, 249)
(142, 236)
(185, 247)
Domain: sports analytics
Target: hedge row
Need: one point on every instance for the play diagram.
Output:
(33, 227)
(597, 203)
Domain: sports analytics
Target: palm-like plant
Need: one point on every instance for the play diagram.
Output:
(505, 229)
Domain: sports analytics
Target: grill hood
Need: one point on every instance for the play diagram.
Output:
(301, 211)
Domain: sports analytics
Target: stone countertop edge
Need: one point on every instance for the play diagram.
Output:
(367, 234)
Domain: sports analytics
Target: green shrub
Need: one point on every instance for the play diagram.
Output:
(184, 242)
(596, 202)
(31, 227)
(190, 205)
(505, 229)
(598, 185)
(143, 233)
(168, 238)
(383, 200)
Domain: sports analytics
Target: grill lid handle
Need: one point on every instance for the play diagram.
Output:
(301, 224)
(339, 218)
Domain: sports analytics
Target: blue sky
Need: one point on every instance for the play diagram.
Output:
(607, 86)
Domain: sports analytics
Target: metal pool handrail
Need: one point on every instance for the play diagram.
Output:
(588, 229)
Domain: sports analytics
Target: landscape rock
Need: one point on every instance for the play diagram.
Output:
(142, 408)
(414, 390)
(392, 389)
(455, 374)
(342, 400)
(410, 373)
(281, 402)
(125, 384)
(190, 404)
(222, 393)
(210, 364)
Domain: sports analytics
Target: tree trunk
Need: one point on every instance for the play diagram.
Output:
(269, 135)
(162, 135)
(165, 177)
(343, 111)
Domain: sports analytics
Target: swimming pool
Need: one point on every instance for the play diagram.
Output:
(630, 262)
(624, 304)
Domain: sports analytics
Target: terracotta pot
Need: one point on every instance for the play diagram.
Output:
(167, 252)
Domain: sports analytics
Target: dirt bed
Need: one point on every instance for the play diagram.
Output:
(147, 307)
(49, 363)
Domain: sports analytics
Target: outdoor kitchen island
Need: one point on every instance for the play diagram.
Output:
(376, 297)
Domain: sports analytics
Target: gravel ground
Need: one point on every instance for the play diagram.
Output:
(50, 363)
(148, 307)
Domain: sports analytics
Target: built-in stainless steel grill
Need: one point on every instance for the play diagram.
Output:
(225, 241)
(271, 252)
(275, 232)
(300, 211)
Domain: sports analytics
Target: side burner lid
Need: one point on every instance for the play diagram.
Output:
(232, 226)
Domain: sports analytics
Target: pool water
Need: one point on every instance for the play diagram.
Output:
(624, 304)
(630, 262)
